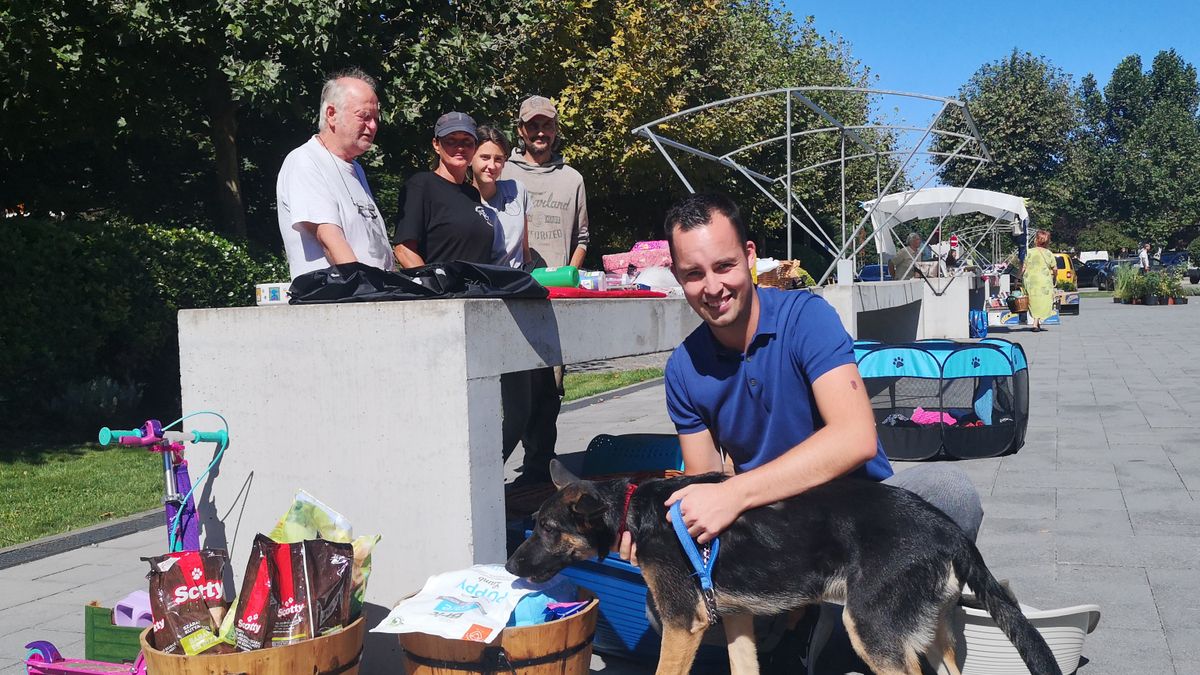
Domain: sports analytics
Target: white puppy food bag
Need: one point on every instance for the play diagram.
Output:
(472, 604)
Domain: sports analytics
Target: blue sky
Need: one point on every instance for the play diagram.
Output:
(934, 47)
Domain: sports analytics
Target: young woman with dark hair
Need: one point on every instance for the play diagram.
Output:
(507, 199)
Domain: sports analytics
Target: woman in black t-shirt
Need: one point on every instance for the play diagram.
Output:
(441, 217)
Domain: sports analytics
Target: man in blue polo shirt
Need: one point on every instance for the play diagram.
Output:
(770, 379)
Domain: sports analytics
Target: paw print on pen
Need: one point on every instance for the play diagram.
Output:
(975, 362)
(898, 362)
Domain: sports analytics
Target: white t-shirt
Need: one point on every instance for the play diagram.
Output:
(315, 186)
(1144, 259)
(508, 208)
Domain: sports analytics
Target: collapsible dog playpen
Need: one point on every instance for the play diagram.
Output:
(968, 400)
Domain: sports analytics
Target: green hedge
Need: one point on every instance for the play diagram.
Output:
(90, 311)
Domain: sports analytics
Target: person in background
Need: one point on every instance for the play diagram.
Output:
(1037, 278)
(901, 264)
(558, 217)
(327, 214)
(558, 235)
(1144, 258)
(442, 217)
(508, 198)
(506, 201)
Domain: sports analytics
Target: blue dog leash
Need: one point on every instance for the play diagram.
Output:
(702, 563)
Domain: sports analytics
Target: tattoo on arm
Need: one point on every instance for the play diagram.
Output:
(854, 385)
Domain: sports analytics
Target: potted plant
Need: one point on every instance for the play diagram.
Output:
(1173, 286)
(1150, 281)
(1136, 287)
(1121, 284)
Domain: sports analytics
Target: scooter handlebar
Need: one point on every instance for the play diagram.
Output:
(220, 437)
(109, 435)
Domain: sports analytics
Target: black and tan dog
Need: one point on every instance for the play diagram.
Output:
(896, 562)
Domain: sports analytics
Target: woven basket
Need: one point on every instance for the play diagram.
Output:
(1020, 304)
(786, 276)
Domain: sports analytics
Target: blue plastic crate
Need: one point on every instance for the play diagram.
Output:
(626, 453)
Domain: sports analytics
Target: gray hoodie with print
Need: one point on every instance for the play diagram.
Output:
(558, 219)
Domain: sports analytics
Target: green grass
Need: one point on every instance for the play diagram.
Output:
(580, 385)
(1095, 294)
(50, 488)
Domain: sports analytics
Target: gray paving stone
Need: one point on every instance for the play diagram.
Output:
(1088, 499)
(1124, 651)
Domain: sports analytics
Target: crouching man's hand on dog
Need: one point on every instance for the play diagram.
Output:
(625, 548)
(707, 508)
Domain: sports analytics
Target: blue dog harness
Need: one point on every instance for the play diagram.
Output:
(702, 562)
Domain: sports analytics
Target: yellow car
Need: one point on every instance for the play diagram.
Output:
(1066, 272)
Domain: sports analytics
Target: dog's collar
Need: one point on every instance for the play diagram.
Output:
(629, 490)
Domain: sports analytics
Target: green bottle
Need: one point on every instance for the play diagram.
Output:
(567, 275)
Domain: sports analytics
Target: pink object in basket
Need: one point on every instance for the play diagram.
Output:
(619, 262)
(650, 245)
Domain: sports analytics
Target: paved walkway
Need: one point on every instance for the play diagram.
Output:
(1100, 506)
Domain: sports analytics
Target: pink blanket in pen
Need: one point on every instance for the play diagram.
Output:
(923, 416)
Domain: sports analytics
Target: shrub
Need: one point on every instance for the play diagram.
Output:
(94, 300)
(1193, 250)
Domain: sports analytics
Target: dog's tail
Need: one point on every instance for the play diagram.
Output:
(1007, 614)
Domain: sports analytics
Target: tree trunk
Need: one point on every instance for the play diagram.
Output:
(223, 124)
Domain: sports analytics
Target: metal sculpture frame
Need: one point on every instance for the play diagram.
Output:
(970, 147)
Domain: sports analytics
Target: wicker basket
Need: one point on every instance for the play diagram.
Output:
(787, 276)
(1020, 304)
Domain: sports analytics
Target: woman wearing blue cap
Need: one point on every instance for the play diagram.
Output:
(441, 217)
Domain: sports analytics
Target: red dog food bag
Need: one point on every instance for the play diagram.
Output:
(187, 601)
(255, 611)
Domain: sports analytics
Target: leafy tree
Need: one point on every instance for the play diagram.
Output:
(161, 109)
(1026, 110)
(1105, 236)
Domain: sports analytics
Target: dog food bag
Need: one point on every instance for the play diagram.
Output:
(187, 601)
(251, 617)
(472, 604)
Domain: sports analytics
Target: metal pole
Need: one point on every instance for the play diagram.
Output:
(789, 178)
(670, 161)
(879, 249)
(843, 171)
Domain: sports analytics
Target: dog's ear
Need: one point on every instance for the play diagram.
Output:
(560, 475)
(588, 506)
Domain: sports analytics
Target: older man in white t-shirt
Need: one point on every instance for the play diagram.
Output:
(327, 214)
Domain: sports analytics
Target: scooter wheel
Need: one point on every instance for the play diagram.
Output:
(42, 652)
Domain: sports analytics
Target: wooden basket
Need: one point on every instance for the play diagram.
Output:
(337, 654)
(562, 647)
(1020, 304)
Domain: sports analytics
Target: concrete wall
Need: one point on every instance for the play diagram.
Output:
(389, 412)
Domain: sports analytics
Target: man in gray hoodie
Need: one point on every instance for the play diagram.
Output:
(558, 234)
(558, 218)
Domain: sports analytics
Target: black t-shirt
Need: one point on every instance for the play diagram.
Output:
(446, 220)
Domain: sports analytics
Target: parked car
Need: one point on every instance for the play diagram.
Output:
(1086, 272)
(1180, 261)
(1107, 276)
(1066, 272)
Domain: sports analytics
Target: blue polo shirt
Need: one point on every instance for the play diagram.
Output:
(758, 405)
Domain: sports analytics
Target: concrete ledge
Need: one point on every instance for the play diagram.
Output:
(88, 536)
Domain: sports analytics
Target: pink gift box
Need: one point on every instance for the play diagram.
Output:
(619, 262)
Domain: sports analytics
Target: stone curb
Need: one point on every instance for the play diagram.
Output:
(68, 541)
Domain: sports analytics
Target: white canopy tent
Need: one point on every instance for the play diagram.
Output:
(895, 209)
